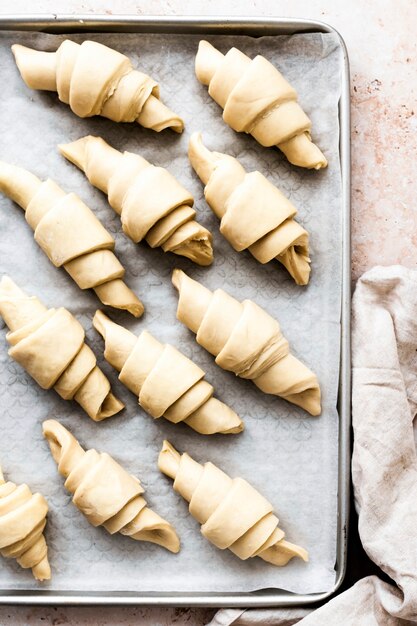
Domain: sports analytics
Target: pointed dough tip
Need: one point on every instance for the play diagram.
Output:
(136, 309)
(156, 115)
(49, 428)
(300, 150)
(17, 49)
(100, 322)
(9, 289)
(60, 440)
(311, 402)
(75, 151)
(18, 184)
(166, 444)
(194, 143)
(6, 284)
(201, 158)
(118, 295)
(48, 424)
(207, 61)
(177, 278)
(169, 459)
(196, 136)
(37, 68)
(315, 408)
(110, 406)
(42, 571)
(168, 538)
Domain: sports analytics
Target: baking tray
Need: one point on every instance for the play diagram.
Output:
(255, 27)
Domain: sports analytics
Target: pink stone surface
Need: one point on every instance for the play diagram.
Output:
(380, 36)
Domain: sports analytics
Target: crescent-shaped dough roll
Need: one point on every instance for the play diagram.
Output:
(104, 491)
(255, 215)
(22, 522)
(96, 80)
(167, 383)
(231, 512)
(245, 340)
(151, 203)
(71, 236)
(258, 100)
(49, 345)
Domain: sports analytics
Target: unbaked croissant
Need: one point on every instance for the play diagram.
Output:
(71, 236)
(151, 203)
(254, 214)
(167, 383)
(232, 513)
(49, 345)
(104, 491)
(258, 100)
(22, 522)
(96, 80)
(245, 340)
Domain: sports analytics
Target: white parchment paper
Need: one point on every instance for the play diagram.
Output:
(290, 457)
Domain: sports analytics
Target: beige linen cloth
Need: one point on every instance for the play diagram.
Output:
(384, 462)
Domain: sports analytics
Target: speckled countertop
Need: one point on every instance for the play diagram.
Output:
(380, 37)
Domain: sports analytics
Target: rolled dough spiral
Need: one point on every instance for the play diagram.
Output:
(232, 513)
(71, 236)
(245, 340)
(151, 203)
(254, 214)
(96, 80)
(49, 345)
(167, 383)
(22, 522)
(104, 492)
(258, 100)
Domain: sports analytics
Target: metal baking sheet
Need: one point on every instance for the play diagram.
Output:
(253, 27)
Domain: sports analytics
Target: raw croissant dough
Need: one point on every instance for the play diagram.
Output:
(71, 236)
(254, 214)
(151, 203)
(104, 492)
(258, 100)
(245, 340)
(96, 80)
(22, 522)
(168, 383)
(49, 344)
(232, 513)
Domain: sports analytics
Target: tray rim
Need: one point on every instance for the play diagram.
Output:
(254, 26)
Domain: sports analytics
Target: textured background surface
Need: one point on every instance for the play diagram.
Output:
(382, 48)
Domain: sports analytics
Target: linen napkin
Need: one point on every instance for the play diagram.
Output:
(384, 462)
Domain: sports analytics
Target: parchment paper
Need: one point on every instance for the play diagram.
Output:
(290, 457)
